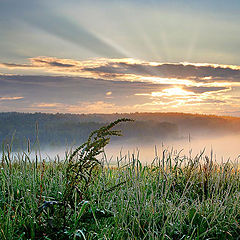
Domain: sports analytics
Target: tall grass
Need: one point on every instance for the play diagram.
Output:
(175, 197)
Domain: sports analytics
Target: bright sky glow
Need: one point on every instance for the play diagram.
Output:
(175, 91)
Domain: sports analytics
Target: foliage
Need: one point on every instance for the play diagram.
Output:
(67, 129)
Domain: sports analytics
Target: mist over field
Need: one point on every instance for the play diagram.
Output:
(222, 148)
(148, 135)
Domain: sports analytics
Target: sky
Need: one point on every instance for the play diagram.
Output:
(111, 56)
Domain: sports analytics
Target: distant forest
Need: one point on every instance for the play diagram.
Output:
(62, 129)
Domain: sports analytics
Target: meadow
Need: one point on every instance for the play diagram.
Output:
(85, 197)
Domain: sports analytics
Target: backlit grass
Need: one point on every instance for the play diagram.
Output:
(174, 198)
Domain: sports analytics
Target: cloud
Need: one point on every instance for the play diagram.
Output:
(81, 107)
(45, 105)
(200, 89)
(134, 70)
(95, 107)
(196, 72)
(10, 98)
(118, 85)
(53, 63)
(16, 66)
(72, 90)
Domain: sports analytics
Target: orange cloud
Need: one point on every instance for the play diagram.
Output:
(46, 105)
(83, 107)
(10, 98)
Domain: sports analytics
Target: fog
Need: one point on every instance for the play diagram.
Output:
(223, 148)
(149, 135)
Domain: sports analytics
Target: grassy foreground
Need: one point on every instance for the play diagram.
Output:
(174, 198)
(82, 197)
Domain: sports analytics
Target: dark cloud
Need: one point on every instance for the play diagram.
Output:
(40, 92)
(206, 101)
(127, 87)
(71, 90)
(205, 89)
(53, 63)
(15, 65)
(68, 80)
(37, 63)
(115, 69)
(170, 70)
(212, 101)
(58, 64)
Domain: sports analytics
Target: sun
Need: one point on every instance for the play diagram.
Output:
(175, 91)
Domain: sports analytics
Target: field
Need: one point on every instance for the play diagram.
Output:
(83, 197)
